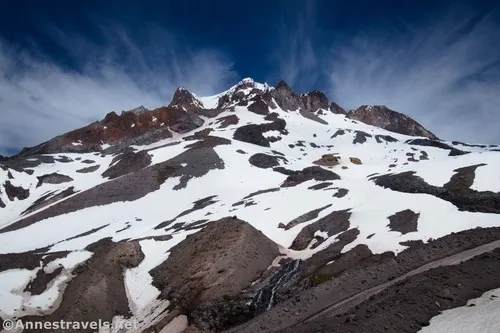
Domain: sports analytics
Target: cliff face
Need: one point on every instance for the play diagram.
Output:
(383, 117)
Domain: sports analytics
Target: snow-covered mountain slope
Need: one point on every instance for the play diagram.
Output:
(310, 178)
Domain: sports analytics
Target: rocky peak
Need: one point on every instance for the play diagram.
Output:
(241, 93)
(183, 99)
(286, 98)
(383, 117)
(335, 108)
(314, 101)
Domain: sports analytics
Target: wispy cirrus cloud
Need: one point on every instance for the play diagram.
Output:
(40, 99)
(444, 73)
(297, 56)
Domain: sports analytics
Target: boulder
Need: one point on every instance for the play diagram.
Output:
(328, 160)
(355, 160)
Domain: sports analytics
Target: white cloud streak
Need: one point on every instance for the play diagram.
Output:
(445, 74)
(39, 99)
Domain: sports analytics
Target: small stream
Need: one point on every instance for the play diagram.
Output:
(266, 297)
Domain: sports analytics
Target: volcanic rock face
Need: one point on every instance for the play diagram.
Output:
(184, 100)
(390, 120)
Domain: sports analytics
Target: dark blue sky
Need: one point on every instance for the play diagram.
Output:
(414, 56)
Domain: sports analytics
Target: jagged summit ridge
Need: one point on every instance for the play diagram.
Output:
(186, 112)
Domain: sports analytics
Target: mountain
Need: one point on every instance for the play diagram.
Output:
(258, 209)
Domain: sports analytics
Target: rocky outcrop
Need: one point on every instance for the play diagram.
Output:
(286, 98)
(53, 178)
(311, 215)
(126, 163)
(88, 169)
(462, 197)
(254, 133)
(265, 161)
(436, 144)
(383, 117)
(184, 100)
(355, 160)
(297, 177)
(404, 221)
(97, 292)
(259, 107)
(219, 261)
(332, 224)
(14, 192)
(337, 109)
(328, 160)
(314, 100)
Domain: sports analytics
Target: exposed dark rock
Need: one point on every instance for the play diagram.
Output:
(39, 284)
(28, 260)
(183, 99)
(126, 163)
(272, 116)
(197, 205)
(463, 179)
(328, 160)
(2, 204)
(315, 172)
(386, 138)
(320, 186)
(221, 259)
(355, 160)
(341, 192)
(86, 233)
(53, 178)
(312, 116)
(199, 135)
(335, 108)
(333, 223)
(311, 215)
(265, 161)
(228, 120)
(253, 133)
(341, 261)
(253, 194)
(339, 132)
(88, 169)
(286, 98)
(361, 137)
(404, 221)
(15, 191)
(314, 100)
(209, 142)
(48, 199)
(259, 107)
(319, 260)
(88, 161)
(368, 273)
(187, 123)
(467, 145)
(464, 198)
(430, 292)
(97, 292)
(436, 144)
(239, 151)
(383, 117)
